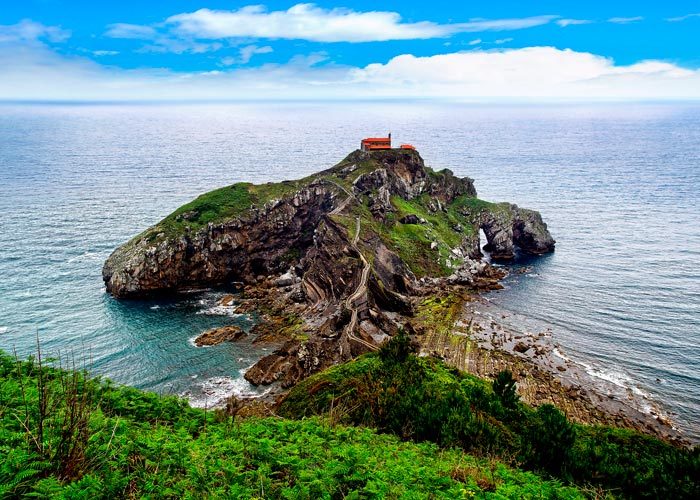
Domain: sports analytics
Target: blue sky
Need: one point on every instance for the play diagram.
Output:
(226, 49)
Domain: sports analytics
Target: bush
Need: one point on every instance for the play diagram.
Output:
(549, 439)
(141, 445)
(398, 348)
(505, 388)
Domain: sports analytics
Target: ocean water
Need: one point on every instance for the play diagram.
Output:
(618, 185)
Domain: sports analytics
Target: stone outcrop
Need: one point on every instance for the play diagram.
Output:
(233, 250)
(509, 227)
(216, 336)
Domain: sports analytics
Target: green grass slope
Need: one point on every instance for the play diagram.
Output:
(422, 399)
(65, 436)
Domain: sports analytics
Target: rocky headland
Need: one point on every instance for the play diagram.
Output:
(338, 262)
(333, 261)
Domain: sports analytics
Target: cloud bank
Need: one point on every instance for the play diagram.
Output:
(306, 21)
(533, 72)
(33, 71)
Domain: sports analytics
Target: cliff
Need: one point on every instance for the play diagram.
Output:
(342, 251)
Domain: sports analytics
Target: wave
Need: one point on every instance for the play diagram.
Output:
(3, 329)
(220, 310)
(86, 257)
(213, 392)
(212, 306)
(642, 399)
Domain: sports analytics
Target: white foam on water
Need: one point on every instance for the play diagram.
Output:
(3, 329)
(87, 256)
(213, 392)
(219, 310)
(623, 381)
(153, 308)
(560, 354)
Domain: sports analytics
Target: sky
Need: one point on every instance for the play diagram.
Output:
(346, 49)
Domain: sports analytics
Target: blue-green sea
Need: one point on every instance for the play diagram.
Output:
(618, 185)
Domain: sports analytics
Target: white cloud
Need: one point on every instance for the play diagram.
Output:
(572, 22)
(475, 42)
(34, 71)
(100, 53)
(245, 54)
(682, 18)
(625, 20)
(306, 21)
(130, 31)
(250, 50)
(537, 72)
(501, 41)
(162, 44)
(31, 31)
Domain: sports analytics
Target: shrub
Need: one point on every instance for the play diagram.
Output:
(398, 348)
(423, 399)
(505, 388)
(549, 439)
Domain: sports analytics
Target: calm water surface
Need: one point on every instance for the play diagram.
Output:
(618, 185)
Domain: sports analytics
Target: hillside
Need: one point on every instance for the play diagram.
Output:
(422, 399)
(65, 436)
(387, 425)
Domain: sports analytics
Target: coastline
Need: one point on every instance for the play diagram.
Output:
(484, 341)
(481, 338)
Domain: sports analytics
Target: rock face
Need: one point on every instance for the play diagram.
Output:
(511, 226)
(234, 250)
(338, 256)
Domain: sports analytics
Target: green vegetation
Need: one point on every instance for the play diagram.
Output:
(220, 205)
(424, 400)
(413, 242)
(210, 207)
(504, 387)
(63, 435)
(438, 314)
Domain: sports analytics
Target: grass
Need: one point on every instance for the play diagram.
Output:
(132, 444)
(219, 206)
(439, 314)
(422, 399)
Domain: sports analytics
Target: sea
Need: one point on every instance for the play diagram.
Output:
(617, 183)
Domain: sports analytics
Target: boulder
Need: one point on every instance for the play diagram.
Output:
(410, 219)
(216, 336)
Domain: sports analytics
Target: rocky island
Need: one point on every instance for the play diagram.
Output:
(339, 260)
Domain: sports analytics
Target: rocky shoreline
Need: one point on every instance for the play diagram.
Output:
(545, 374)
(472, 335)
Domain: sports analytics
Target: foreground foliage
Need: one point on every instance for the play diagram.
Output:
(422, 399)
(63, 435)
